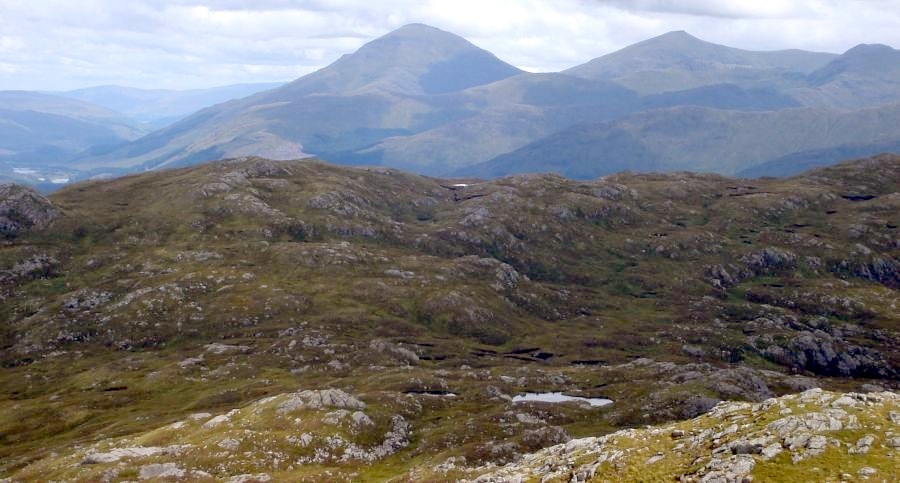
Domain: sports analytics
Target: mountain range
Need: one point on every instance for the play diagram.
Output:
(428, 101)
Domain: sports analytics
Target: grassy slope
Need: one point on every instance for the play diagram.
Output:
(306, 263)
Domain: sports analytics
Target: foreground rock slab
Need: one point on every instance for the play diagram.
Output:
(812, 436)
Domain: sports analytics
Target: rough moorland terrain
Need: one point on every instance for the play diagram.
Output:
(296, 320)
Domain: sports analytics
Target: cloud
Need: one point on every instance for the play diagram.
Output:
(732, 9)
(60, 44)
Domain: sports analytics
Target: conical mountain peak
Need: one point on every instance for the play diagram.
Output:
(675, 35)
(414, 59)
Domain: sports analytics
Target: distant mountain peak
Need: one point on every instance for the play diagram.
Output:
(415, 58)
(870, 49)
(873, 61)
(676, 40)
(422, 33)
(678, 60)
(419, 28)
(676, 34)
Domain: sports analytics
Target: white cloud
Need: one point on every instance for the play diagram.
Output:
(59, 44)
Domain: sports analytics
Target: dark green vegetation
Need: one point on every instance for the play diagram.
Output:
(131, 303)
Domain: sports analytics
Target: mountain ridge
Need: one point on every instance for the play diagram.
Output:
(427, 100)
(677, 61)
(694, 138)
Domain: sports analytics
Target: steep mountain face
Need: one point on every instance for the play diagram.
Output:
(678, 61)
(160, 107)
(296, 320)
(358, 100)
(698, 139)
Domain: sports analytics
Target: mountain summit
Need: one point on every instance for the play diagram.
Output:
(414, 59)
(381, 90)
(678, 60)
(866, 75)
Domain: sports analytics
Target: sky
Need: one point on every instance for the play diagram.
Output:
(182, 44)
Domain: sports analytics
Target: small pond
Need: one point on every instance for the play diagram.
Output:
(558, 397)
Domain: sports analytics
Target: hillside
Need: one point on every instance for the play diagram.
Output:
(314, 322)
(39, 132)
(797, 163)
(379, 91)
(864, 76)
(517, 111)
(702, 139)
(161, 107)
(678, 61)
(813, 435)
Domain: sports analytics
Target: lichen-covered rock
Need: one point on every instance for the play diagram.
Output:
(34, 267)
(770, 260)
(319, 399)
(117, 454)
(727, 445)
(538, 438)
(23, 209)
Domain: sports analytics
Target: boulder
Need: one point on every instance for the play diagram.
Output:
(320, 399)
(23, 209)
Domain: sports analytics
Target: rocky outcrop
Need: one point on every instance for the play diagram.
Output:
(319, 399)
(308, 427)
(825, 434)
(879, 269)
(37, 266)
(23, 209)
(821, 353)
(767, 261)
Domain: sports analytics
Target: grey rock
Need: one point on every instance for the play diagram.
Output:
(250, 478)
(394, 350)
(161, 470)
(319, 399)
(23, 209)
(771, 451)
(34, 267)
(218, 348)
(769, 260)
(746, 447)
(866, 471)
(864, 445)
(542, 437)
(360, 419)
(821, 353)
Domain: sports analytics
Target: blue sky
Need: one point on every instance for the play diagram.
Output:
(64, 44)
